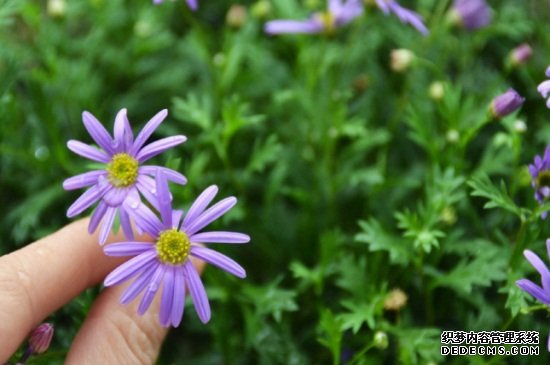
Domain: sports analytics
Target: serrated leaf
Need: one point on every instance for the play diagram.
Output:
(359, 313)
(378, 239)
(498, 196)
(330, 333)
(488, 265)
(272, 300)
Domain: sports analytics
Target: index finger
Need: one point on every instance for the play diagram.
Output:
(41, 277)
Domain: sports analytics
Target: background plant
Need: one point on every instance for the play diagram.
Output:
(352, 179)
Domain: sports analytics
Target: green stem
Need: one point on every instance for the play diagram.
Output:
(519, 245)
(361, 353)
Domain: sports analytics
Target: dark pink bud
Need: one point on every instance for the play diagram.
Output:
(40, 338)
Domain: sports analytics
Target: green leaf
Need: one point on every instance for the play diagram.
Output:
(330, 334)
(362, 312)
(418, 345)
(487, 264)
(378, 239)
(421, 231)
(498, 196)
(271, 300)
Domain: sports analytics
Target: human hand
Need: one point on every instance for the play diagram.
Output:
(41, 277)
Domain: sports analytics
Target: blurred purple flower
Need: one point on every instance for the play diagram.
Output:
(193, 4)
(506, 103)
(521, 54)
(339, 13)
(540, 172)
(405, 15)
(542, 294)
(544, 87)
(471, 14)
(166, 262)
(123, 176)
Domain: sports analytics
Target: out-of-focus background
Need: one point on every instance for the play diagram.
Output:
(363, 187)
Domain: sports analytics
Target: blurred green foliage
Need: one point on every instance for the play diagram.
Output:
(352, 180)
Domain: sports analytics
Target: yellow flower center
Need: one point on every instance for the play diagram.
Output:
(328, 21)
(173, 247)
(543, 179)
(122, 170)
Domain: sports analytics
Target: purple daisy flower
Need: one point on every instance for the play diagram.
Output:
(471, 14)
(506, 103)
(339, 13)
(542, 294)
(405, 15)
(540, 172)
(166, 261)
(193, 4)
(544, 87)
(123, 175)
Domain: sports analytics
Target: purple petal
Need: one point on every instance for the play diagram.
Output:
(219, 237)
(167, 299)
(115, 196)
(131, 248)
(122, 132)
(129, 268)
(198, 294)
(383, 5)
(151, 289)
(408, 16)
(210, 215)
(200, 204)
(539, 266)
(193, 4)
(143, 216)
(97, 216)
(165, 203)
(171, 175)
(125, 224)
(107, 225)
(544, 88)
(83, 180)
(98, 133)
(89, 197)
(176, 218)
(87, 151)
(343, 14)
(157, 147)
(534, 290)
(146, 132)
(178, 304)
(217, 259)
(147, 188)
(140, 283)
(293, 26)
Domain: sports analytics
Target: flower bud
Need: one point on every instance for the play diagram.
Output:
(401, 59)
(506, 103)
(236, 16)
(40, 338)
(520, 54)
(57, 8)
(452, 136)
(470, 14)
(436, 90)
(395, 300)
(520, 126)
(261, 9)
(381, 340)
